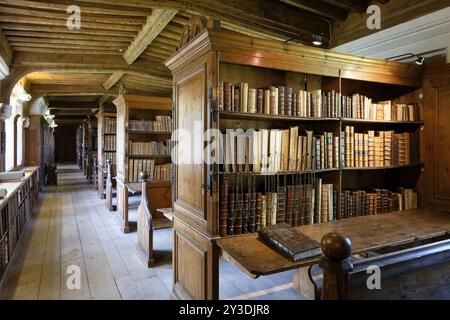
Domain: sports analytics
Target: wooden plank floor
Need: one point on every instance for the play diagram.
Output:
(72, 227)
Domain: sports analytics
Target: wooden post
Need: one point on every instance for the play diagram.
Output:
(336, 265)
(144, 222)
(109, 186)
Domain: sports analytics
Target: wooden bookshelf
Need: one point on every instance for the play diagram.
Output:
(217, 55)
(131, 108)
(106, 134)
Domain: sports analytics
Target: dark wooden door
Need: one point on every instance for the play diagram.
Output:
(65, 144)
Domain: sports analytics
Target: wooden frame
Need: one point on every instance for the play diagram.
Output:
(197, 69)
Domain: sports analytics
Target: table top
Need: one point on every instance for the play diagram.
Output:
(13, 186)
(367, 233)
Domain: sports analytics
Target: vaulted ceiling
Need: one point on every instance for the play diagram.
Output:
(123, 43)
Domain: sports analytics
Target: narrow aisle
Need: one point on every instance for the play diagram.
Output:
(72, 230)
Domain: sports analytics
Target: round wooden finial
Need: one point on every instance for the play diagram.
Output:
(108, 162)
(143, 176)
(336, 246)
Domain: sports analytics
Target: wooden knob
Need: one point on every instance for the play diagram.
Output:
(143, 176)
(336, 246)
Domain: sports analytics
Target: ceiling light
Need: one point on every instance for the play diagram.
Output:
(420, 61)
(317, 39)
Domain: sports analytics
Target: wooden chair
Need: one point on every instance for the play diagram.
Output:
(110, 186)
(148, 219)
(420, 272)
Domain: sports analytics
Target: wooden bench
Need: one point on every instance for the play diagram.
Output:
(407, 244)
(110, 185)
(147, 221)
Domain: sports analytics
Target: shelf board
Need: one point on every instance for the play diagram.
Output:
(279, 173)
(146, 156)
(109, 134)
(263, 117)
(148, 132)
(350, 120)
(382, 168)
(111, 151)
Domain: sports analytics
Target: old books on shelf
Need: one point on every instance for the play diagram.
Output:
(152, 148)
(360, 203)
(155, 172)
(284, 100)
(109, 143)
(379, 148)
(296, 204)
(290, 242)
(110, 126)
(279, 150)
(160, 124)
(111, 156)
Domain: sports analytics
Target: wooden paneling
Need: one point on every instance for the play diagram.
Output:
(435, 185)
(65, 144)
(190, 117)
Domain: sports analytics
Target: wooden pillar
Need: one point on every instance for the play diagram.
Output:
(336, 265)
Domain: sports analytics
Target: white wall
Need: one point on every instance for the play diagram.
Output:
(426, 33)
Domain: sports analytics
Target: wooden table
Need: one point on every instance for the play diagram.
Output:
(367, 233)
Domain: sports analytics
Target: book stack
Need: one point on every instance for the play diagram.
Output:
(379, 148)
(111, 156)
(161, 124)
(162, 172)
(110, 125)
(279, 150)
(278, 100)
(109, 143)
(136, 166)
(152, 148)
(297, 204)
(360, 203)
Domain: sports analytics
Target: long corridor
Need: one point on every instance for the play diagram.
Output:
(72, 231)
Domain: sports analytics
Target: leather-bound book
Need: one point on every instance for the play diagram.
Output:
(281, 99)
(237, 98)
(273, 100)
(252, 217)
(290, 206)
(231, 214)
(227, 96)
(288, 101)
(251, 105)
(260, 100)
(220, 96)
(239, 213)
(296, 206)
(294, 110)
(263, 214)
(223, 207)
(258, 209)
(289, 242)
(246, 214)
(269, 209)
(267, 101)
(281, 205)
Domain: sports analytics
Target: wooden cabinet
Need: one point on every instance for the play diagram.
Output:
(435, 184)
(217, 55)
(139, 120)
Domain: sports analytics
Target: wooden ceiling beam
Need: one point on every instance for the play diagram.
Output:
(393, 13)
(358, 6)
(66, 51)
(63, 16)
(156, 23)
(63, 36)
(66, 41)
(63, 23)
(64, 30)
(61, 5)
(60, 104)
(319, 8)
(6, 52)
(115, 77)
(66, 90)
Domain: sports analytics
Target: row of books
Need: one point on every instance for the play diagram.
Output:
(110, 125)
(379, 148)
(361, 203)
(160, 124)
(155, 172)
(279, 150)
(281, 100)
(109, 143)
(295, 204)
(111, 156)
(152, 148)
